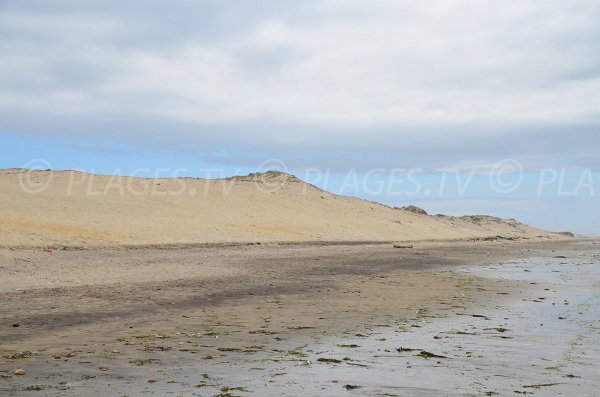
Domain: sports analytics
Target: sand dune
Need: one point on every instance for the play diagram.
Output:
(75, 209)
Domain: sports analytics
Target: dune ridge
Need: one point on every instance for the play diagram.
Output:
(80, 210)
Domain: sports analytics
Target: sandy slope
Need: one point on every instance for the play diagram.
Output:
(68, 208)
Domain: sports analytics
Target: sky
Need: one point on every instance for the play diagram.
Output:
(460, 107)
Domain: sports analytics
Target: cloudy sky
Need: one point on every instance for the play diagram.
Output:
(335, 85)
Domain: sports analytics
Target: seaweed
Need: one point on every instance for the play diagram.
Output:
(18, 355)
(329, 360)
(426, 354)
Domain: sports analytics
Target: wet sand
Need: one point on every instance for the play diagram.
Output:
(302, 320)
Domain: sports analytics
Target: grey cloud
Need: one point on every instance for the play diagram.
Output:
(537, 146)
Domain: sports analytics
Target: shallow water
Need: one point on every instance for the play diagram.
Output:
(546, 342)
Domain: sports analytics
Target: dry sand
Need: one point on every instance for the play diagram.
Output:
(75, 209)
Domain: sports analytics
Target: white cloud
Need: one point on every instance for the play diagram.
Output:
(333, 73)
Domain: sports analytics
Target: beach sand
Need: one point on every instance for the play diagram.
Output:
(297, 320)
